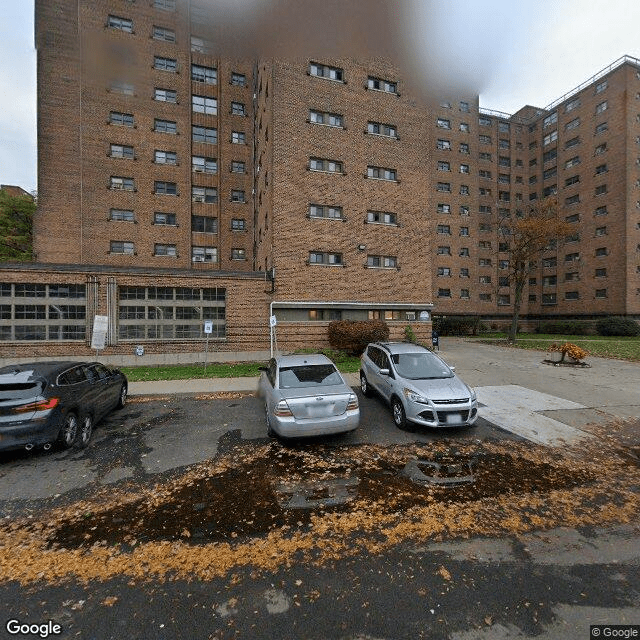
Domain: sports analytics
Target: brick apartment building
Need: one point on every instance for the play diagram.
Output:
(175, 186)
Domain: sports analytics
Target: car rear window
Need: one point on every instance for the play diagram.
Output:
(20, 390)
(309, 376)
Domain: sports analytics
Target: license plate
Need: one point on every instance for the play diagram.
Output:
(453, 418)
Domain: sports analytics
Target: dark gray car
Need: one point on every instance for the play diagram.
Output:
(46, 402)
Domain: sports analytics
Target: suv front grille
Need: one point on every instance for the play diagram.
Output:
(455, 401)
(442, 416)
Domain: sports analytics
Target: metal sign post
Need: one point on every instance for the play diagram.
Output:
(208, 330)
(272, 328)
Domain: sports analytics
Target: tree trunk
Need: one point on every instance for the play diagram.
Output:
(513, 333)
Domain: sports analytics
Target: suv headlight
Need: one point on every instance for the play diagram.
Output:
(412, 396)
(474, 397)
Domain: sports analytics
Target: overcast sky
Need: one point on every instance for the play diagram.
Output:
(513, 52)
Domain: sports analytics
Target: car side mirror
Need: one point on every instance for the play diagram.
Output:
(384, 372)
(452, 368)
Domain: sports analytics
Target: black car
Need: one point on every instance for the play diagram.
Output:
(42, 403)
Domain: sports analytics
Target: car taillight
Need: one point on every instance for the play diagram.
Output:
(353, 402)
(282, 409)
(43, 405)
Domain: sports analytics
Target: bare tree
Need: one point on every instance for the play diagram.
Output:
(523, 238)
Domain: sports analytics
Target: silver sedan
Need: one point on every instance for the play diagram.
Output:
(305, 395)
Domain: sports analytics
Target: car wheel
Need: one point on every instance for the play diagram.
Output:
(122, 398)
(399, 416)
(69, 431)
(364, 385)
(86, 430)
(270, 432)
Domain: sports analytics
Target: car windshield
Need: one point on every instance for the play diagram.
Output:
(420, 366)
(322, 375)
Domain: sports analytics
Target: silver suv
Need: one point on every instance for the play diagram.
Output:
(420, 387)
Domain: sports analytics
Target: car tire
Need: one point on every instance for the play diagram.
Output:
(399, 415)
(69, 431)
(86, 430)
(270, 432)
(122, 398)
(364, 385)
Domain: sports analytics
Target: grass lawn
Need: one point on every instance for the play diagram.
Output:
(344, 362)
(622, 348)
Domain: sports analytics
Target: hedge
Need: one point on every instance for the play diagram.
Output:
(616, 326)
(353, 336)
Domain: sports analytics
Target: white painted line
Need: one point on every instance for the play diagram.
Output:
(515, 409)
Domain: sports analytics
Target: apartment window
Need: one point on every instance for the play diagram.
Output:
(503, 247)
(325, 71)
(484, 297)
(464, 294)
(464, 272)
(504, 161)
(552, 118)
(238, 137)
(464, 126)
(325, 211)
(601, 128)
(200, 45)
(464, 252)
(208, 195)
(464, 107)
(122, 24)
(166, 35)
(323, 257)
(444, 293)
(165, 157)
(504, 178)
(601, 86)
(504, 196)
(600, 149)
(238, 224)
(484, 279)
(464, 147)
(573, 142)
(120, 246)
(165, 188)
(464, 231)
(532, 282)
(549, 262)
(572, 199)
(601, 273)
(573, 218)
(571, 295)
(484, 244)
(443, 145)
(464, 190)
(600, 108)
(328, 119)
(377, 128)
(549, 298)
(572, 162)
(483, 173)
(533, 145)
(574, 237)
(164, 219)
(204, 134)
(549, 281)
(238, 79)
(165, 64)
(601, 231)
(571, 105)
(444, 272)
(444, 208)
(601, 293)
(125, 88)
(572, 124)
(571, 276)
(121, 215)
(464, 210)
(202, 104)
(445, 104)
(121, 151)
(485, 208)
(237, 166)
(484, 139)
(443, 166)
(533, 179)
(503, 144)
(238, 254)
(601, 211)
(444, 250)
(443, 123)
(550, 137)
(322, 164)
(503, 127)
(237, 195)
(382, 262)
(444, 229)
(238, 109)
(484, 262)
(165, 95)
(165, 5)
(464, 168)
(119, 183)
(377, 84)
(602, 168)
(485, 156)
(601, 251)
(165, 250)
(550, 173)
(204, 224)
(122, 119)
(204, 254)
(504, 299)
(382, 217)
(208, 75)
(380, 173)
(572, 257)
(572, 180)
(200, 164)
(165, 126)
(484, 191)
(484, 121)
(601, 189)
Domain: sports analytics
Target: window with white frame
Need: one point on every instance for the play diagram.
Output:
(121, 24)
(204, 134)
(202, 104)
(165, 64)
(166, 35)
(382, 217)
(121, 151)
(378, 84)
(238, 137)
(325, 258)
(326, 71)
(165, 95)
(377, 128)
(118, 183)
(165, 250)
(201, 164)
(326, 165)
(200, 73)
(204, 254)
(325, 211)
(382, 262)
(121, 215)
(207, 195)
(326, 118)
(165, 157)
(121, 246)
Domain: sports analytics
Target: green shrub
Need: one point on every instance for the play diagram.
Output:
(457, 326)
(353, 336)
(564, 327)
(617, 326)
(410, 335)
